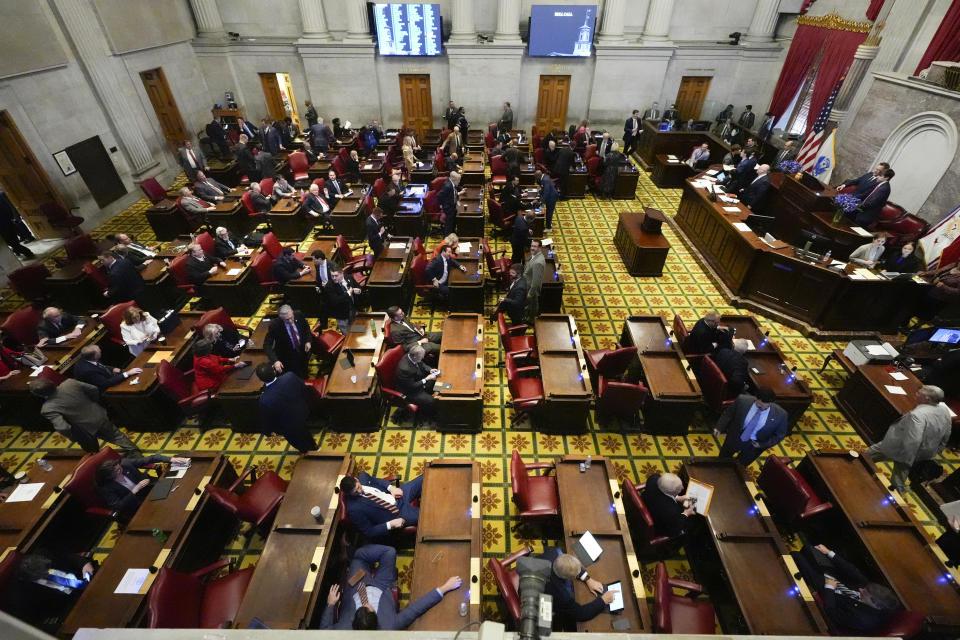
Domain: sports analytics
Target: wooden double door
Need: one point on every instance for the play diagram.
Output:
(691, 96)
(25, 182)
(416, 102)
(165, 106)
(552, 98)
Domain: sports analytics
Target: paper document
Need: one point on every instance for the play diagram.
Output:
(132, 580)
(36, 372)
(951, 509)
(176, 473)
(729, 200)
(25, 492)
(590, 546)
(712, 172)
(856, 276)
(234, 271)
(672, 158)
(740, 226)
(860, 231)
(464, 247)
(60, 339)
(546, 242)
(157, 356)
(876, 350)
(368, 166)
(837, 263)
(397, 245)
(703, 493)
(181, 465)
(728, 167)
(750, 345)
(734, 210)
(896, 375)
(866, 274)
(617, 589)
(895, 390)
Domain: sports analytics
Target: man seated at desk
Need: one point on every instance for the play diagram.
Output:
(121, 485)
(902, 260)
(416, 380)
(700, 157)
(667, 507)
(334, 188)
(126, 247)
(89, 369)
(287, 267)
(376, 507)
(316, 208)
(45, 585)
(368, 602)
(403, 332)
(261, 203)
(56, 323)
(200, 266)
(868, 255)
(124, 282)
(225, 244)
(389, 200)
(376, 231)
(351, 166)
(752, 424)
(438, 271)
(283, 189)
(566, 568)
(209, 189)
(754, 194)
(733, 364)
(708, 335)
(193, 205)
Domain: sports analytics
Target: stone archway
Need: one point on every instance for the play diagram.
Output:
(920, 150)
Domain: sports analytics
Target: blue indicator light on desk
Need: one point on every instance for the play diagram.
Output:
(754, 510)
(580, 377)
(793, 591)
(470, 512)
(764, 341)
(556, 275)
(613, 508)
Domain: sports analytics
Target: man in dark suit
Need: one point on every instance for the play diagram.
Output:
(200, 266)
(850, 600)
(865, 183)
(789, 152)
(415, 379)
(447, 197)
(754, 195)
(671, 115)
(266, 165)
(561, 168)
(225, 244)
(376, 507)
(733, 363)
(871, 206)
(376, 568)
(514, 303)
(89, 369)
(287, 267)
(510, 196)
(548, 197)
(376, 231)
(550, 152)
(284, 407)
(752, 424)
(287, 343)
(565, 569)
(124, 281)
(214, 131)
(334, 188)
(320, 137)
(340, 299)
(631, 132)
(438, 271)
(351, 166)
(451, 115)
(747, 117)
(389, 200)
(56, 323)
(244, 128)
(521, 236)
(661, 495)
(209, 189)
(315, 208)
(192, 160)
(708, 335)
(122, 486)
(407, 334)
(270, 138)
(246, 162)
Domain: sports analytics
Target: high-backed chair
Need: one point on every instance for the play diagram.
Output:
(501, 222)
(96, 275)
(423, 286)
(609, 363)
(221, 317)
(386, 372)
(498, 171)
(178, 600)
(499, 268)
(526, 388)
(787, 493)
(59, 217)
(273, 246)
(676, 614)
(716, 390)
(29, 282)
(205, 240)
(81, 247)
(266, 186)
(432, 213)
(21, 327)
(641, 521)
(258, 503)
(327, 343)
(536, 497)
(262, 265)
(594, 174)
(621, 399)
(417, 247)
(512, 339)
(178, 270)
(153, 190)
(299, 168)
(181, 388)
(437, 183)
(508, 584)
(112, 318)
(354, 263)
(82, 485)
(258, 217)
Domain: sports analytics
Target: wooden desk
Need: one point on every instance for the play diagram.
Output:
(563, 370)
(320, 168)
(73, 290)
(467, 288)
(448, 542)
(867, 404)
(231, 214)
(576, 182)
(348, 217)
(144, 406)
(890, 536)
(460, 408)
(390, 281)
(625, 184)
(356, 406)
(679, 143)
(472, 193)
(408, 220)
(287, 590)
(371, 170)
(225, 172)
(643, 254)
(240, 399)
(302, 292)
(774, 281)
(470, 218)
(175, 515)
(551, 292)
(287, 221)
(742, 561)
(168, 222)
(674, 392)
(667, 174)
(160, 290)
(591, 501)
(239, 294)
(472, 172)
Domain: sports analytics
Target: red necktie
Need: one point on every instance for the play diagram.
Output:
(193, 157)
(392, 508)
(362, 592)
(294, 335)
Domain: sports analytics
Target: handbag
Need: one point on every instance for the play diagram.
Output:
(32, 357)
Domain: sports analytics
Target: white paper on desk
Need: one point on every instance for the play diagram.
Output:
(368, 166)
(876, 350)
(728, 167)
(617, 589)
(702, 492)
(837, 263)
(60, 339)
(734, 210)
(546, 242)
(25, 492)
(36, 372)
(672, 158)
(712, 172)
(135, 381)
(590, 545)
(464, 247)
(397, 245)
(176, 473)
(951, 509)
(234, 271)
(741, 226)
(181, 465)
(895, 390)
(856, 276)
(729, 200)
(896, 375)
(750, 345)
(132, 580)
(860, 231)
(348, 193)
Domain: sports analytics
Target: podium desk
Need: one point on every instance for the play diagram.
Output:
(667, 174)
(653, 142)
(567, 390)
(460, 408)
(625, 184)
(389, 282)
(348, 217)
(643, 254)
(287, 222)
(352, 396)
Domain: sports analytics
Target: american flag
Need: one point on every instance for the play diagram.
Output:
(807, 157)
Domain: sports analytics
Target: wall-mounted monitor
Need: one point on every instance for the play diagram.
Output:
(562, 30)
(408, 29)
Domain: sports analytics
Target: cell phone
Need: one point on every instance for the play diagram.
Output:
(87, 576)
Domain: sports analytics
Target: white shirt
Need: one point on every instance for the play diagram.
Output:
(138, 336)
(386, 496)
(443, 278)
(762, 421)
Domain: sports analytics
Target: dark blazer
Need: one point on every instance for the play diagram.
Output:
(702, 337)
(389, 200)
(564, 161)
(732, 419)
(125, 282)
(447, 198)
(628, 127)
(521, 230)
(870, 207)
(222, 249)
(410, 375)
(248, 129)
(96, 373)
(374, 239)
(549, 157)
(120, 499)
(332, 193)
(863, 185)
(548, 191)
(892, 261)
(734, 366)
(266, 165)
(273, 140)
(46, 329)
(338, 303)
(515, 302)
(352, 169)
(435, 268)
(403, 334)
(214, 131)
(199, 270)
(564, 601)
(277, 343)
(246, 163)
(510, 201)
(667, 513)
(755, 194)
(286, 269)
(284, 407)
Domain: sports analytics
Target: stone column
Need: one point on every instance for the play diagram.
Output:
(508, 21)
(314, 22)
(611, 30)
(656, 31)
(358, 27)
(106, 73)
(463, 27)
(207, 15)
(763, 25)
(862, 59)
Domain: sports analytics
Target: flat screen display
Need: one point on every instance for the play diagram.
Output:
(950, 336)
(562, 30)
(408, 29)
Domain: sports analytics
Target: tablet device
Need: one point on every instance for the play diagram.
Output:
(617, 588)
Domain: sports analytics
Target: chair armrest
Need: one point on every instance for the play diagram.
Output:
(219, 564)
(522, 353)
(546, 466)
(269, 283)
(820, 508)
(239, 481)
(197, 399)
(101, 511)
(532, 401)
(528, 369)
(692, 587)
(393, 394)
(516, 555)
(518, 329)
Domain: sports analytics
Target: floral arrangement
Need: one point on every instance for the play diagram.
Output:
(846, 202)
(789, 166)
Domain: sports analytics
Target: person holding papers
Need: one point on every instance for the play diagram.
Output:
(662, 497)
(752, 424)
(56, 323)
(566, 568)
(867, 255)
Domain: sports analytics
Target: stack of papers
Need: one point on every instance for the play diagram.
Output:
(895, 390)
(703, 493)
(587, 548)
(896, 375)
(732, 210)
(864, 274)
(397, 245)
(740, 226)
(860, 231)
(673, 158)
(25, 492)
(464, 247)
(712, 172)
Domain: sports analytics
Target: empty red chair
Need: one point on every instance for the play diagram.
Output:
(379, 186)
(512, 338)
(327, 343)
(258, 504)
(716, 391)
(96, 275)
(501, 222)
(639, 516)
(489, 140)
(178, 600)
(338, 166)
(676, 614)
(432, 212)
(152, 189)
(112, 318)
(621, 399)
(417, 248)
(498, 171)
(526, 388)
(508, 584)
(610, 363)
(178, 269)
(21, 326)
(221, 317)
(499, 268)
(266, 186)
(787, 492)
(437, 183)
(299, 167)
(386, 371)
(536, 496)
(59, 217)
(273, 246)
(181, 388)
(81, 247)
(353, 263)
(594, 174)
(29, 282)
(321, 183)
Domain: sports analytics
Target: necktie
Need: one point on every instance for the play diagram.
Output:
(362, 592)
(392, 508)
(750, 426)
(294, 335)
(870, 194)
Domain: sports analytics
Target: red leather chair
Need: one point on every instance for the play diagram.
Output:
(258, 503)
(327, 343)
(643, 527)
(205, 240)
(299, 168)
(432, 212)
(273, 247)
(258, 217)
(178, 600)
(787, 492)
(512, 339)
(321, 183)
(96, 275)
(82, 484)
(180, 387)
(178, 269)
(498, 268)
(508, 584)
(589, 152)
(498, 171)
(52, 375)
(29, 282)
(437, 183)
(906, 228)
(266, 186)
(440, 164)
(526, 388)
(81, 247)
(21, 326)
(221, 317)
(386, 371)
(501, 222)
(59, 217)
(112, 318)
(713, 384)
(152, 189)
(621, 399)
(489, 140)
(417, 247)
(675, 614)
(337, 165)
(353, 263)
(262, 265)
(536, 496)
(379, 186)
(609, 363)
(594, 175)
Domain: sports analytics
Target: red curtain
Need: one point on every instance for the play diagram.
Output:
(807, 43)
(946, 41)
(837, 56)
(806, 5)
(874, 9)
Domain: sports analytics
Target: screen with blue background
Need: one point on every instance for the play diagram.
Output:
(408, 29)
(562, 30)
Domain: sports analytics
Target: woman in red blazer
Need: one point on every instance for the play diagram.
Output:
(209, 371)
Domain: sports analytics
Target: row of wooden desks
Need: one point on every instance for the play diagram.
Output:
(390, 282)
(869, 405)
(352, 395)
(460, 407)
(467, 287)
(563, 370)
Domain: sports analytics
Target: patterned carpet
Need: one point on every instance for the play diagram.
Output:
(599, 294)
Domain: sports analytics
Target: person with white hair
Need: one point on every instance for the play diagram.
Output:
(920, 434)
(261, 203)
(288, 342)
(316, 208)
(734, 365)
(667, 507)
(415, 379)
(567, 568)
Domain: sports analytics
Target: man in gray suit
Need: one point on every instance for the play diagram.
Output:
(209, 189)
(533, 275)
(192, 160)
(73, 410)
(752, 424)
(368, 602)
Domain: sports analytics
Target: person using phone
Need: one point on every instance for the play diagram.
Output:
(566, 569)
(122, 486)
